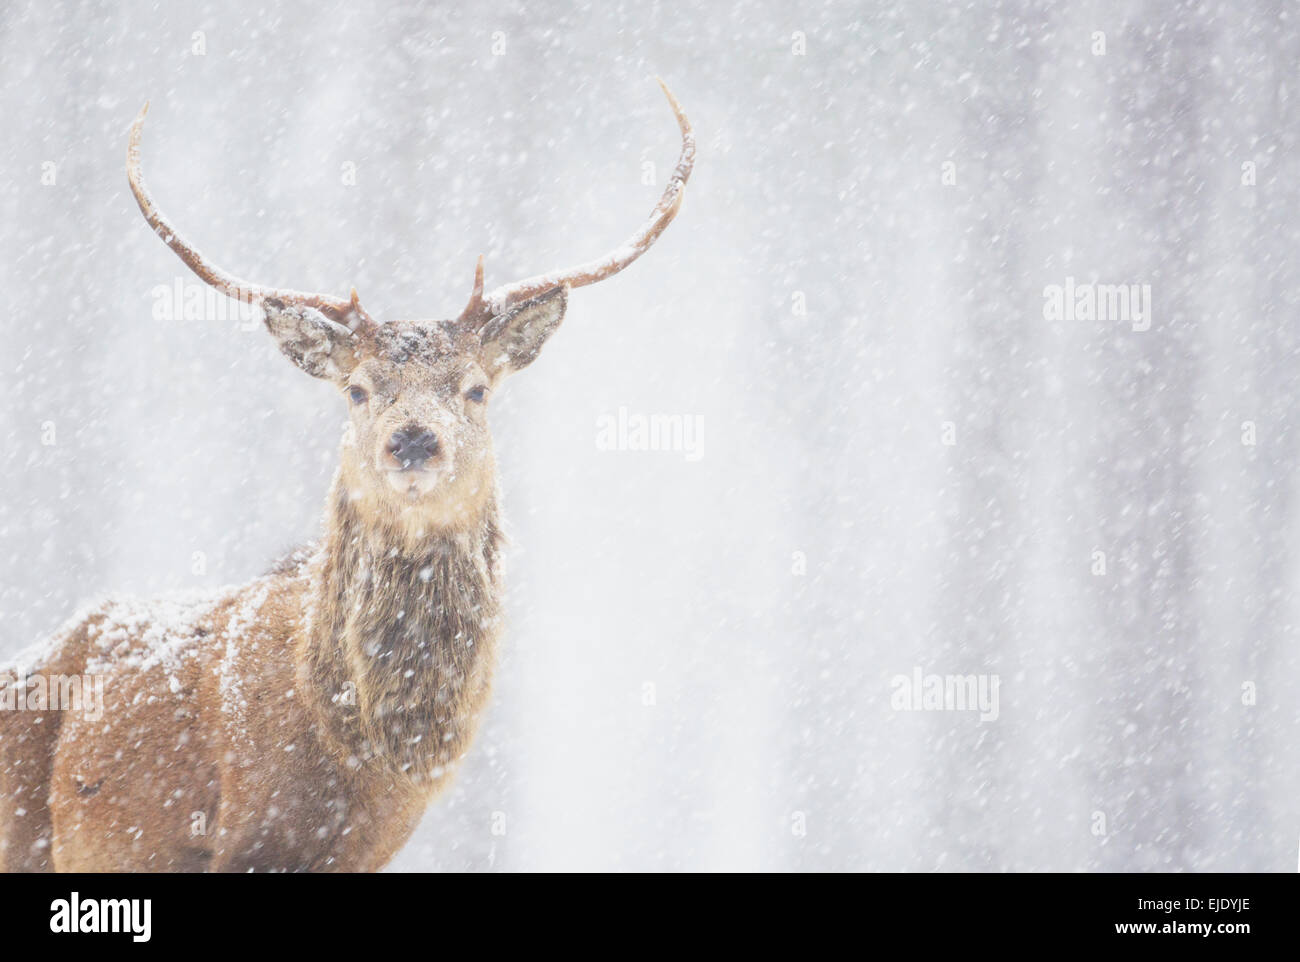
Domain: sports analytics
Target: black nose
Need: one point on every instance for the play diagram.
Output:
(412, 446)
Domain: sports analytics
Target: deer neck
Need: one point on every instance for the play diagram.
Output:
(401, 636)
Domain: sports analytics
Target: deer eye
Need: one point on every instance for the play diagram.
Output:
(476, 394)
(358, 394)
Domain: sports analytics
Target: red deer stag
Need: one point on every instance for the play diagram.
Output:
(303, 721)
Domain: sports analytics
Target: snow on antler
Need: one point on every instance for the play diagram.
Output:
(482, 307)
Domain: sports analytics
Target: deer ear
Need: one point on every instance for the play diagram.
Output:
(311, 340)
(513, 339)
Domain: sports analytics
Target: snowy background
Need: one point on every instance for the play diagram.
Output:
(905, 465)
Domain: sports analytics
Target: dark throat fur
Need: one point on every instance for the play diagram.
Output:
(401, 641)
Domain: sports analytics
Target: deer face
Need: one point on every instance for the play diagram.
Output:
(417, 393)
(418, 420)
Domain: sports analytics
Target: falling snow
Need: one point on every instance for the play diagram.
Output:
(911, 469)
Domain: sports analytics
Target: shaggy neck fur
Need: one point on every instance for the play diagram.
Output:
(401, 637)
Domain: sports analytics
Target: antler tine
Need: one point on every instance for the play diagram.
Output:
(620, 257)
(476, 306)
(339, 309)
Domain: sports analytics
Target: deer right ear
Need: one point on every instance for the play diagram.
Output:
(321, 347)
(512, 340)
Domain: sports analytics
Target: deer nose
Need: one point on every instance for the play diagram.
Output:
(412, 446)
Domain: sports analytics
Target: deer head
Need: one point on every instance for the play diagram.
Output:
(418, 447)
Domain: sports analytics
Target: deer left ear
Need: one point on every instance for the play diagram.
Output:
(512, 340)
(321, 347)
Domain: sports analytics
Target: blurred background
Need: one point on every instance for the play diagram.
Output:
(904, 463)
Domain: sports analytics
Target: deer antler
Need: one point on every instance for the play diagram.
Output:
(476, 305)
(346, 311)
(481, 308)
